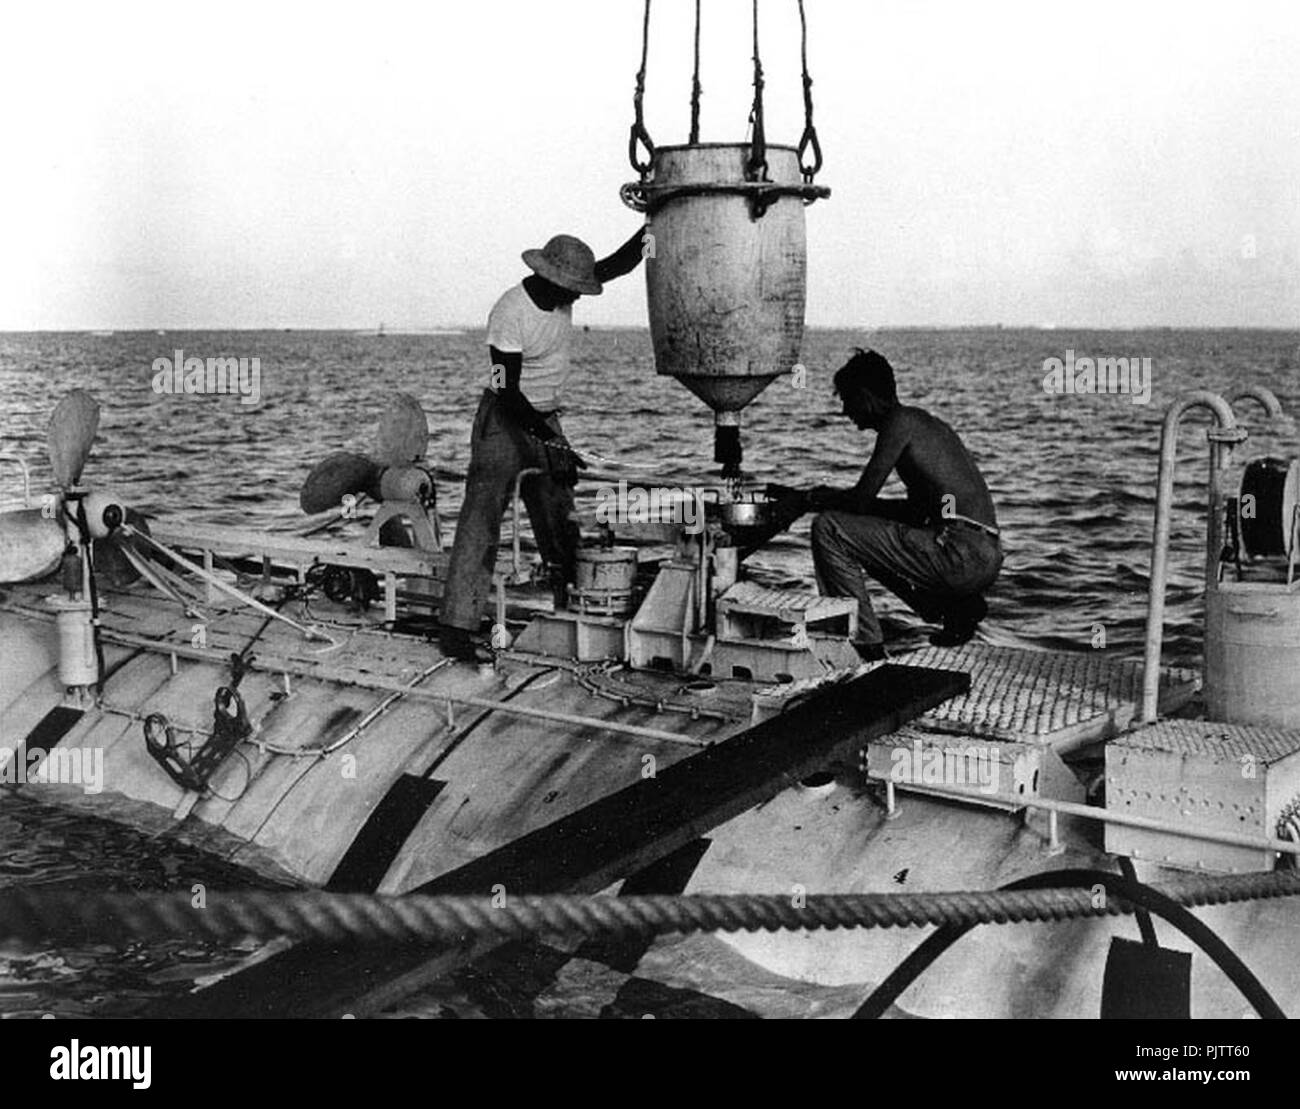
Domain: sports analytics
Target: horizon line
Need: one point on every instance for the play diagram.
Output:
(105, 332)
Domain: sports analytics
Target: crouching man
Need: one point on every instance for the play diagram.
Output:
(938, 550)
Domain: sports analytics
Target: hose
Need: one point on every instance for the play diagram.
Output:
(1134, 893)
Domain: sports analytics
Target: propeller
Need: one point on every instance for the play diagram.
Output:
(403, 434)
(71, 434)
(31, 545)
(401, 441)
(32, 541)
(72, 431)
(334, 478)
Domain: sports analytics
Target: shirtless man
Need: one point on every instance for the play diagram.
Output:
(938, 550)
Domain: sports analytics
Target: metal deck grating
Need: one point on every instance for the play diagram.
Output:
(1214, 740)
(749, 597)
(1058, 698)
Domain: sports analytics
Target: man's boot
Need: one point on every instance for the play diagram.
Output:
(459, 644)
(960, 621)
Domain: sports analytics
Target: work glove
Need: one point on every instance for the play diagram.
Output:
(562, 462)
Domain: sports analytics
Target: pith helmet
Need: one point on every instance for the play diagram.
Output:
(568, 262)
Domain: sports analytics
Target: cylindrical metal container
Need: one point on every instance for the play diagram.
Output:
(725, 284)
(606, 568)
(604, 579)
(78, 664)
(1252, 653)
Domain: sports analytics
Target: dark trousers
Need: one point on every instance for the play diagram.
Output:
(927, 566)
(498, 452)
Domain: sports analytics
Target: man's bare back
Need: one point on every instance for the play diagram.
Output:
(939, 551)
(941, 477)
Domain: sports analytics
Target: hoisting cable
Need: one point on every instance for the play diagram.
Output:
(695, 82)
(809, 136)
(757, 166)
(638, 133)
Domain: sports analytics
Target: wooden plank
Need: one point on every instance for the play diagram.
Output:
(589, 849)
(511, 777)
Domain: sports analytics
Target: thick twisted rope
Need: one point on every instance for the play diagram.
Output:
(31, 914)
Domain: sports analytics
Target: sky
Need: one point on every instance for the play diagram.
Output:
(315, 166)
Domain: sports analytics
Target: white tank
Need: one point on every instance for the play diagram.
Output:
(726, 280)
(1252, 627)
(1252, 654)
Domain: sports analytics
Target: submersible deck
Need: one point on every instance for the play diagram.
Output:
(374, 764)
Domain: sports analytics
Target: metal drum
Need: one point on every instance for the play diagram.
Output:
(1252, 628)
(605, 578)
(1252, 653)
(726, 279)
(1270, 493)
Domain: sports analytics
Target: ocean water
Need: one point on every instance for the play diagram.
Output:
(1073, 478)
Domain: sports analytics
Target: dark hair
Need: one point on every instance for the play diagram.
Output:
(870, 372)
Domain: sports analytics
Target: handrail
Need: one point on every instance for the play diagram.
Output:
(1266, 397)
(516, 569)
(272, 665)
(1220, 450)
(1114, 816)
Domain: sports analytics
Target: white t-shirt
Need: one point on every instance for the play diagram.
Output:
(517, 326)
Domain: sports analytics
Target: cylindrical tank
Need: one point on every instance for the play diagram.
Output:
(1252, 653)
(1252, 628)
(726, 278)
(78, 662)
(604, 579)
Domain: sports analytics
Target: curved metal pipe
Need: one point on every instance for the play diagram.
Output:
(27, 477)
(1266, 397)
(1225, 421)
(516, 568)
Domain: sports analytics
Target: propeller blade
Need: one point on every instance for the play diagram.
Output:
(403, 435)
(31, 545)
(72, 431)
(335, 477)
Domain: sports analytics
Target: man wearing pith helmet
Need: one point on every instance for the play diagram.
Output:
(517, 427)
